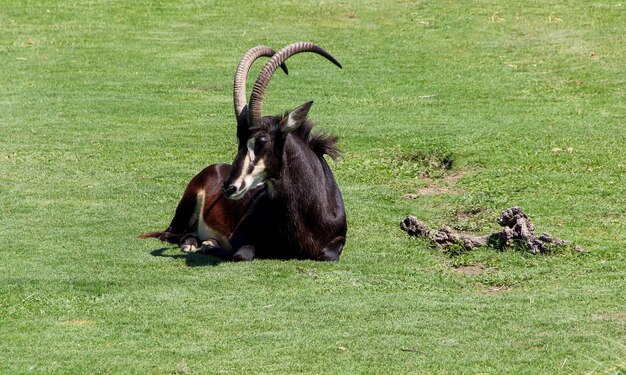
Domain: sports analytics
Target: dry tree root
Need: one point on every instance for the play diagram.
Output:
(517, 230)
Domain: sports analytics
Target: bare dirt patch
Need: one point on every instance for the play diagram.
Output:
(476, 269)
(463, 214)
(453, 178)
(443, 185)
(432, 189)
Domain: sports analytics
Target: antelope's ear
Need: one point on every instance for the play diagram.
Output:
(295, 118)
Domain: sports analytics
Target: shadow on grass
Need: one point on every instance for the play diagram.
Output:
(191, 259)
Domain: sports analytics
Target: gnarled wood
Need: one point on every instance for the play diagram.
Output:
(516, 229)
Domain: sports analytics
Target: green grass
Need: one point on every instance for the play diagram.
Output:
(107, 109)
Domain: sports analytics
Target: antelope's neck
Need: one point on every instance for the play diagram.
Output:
(303, 176)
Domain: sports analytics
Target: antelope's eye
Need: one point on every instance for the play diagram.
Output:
(261, 141)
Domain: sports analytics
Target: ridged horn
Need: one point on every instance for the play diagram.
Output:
(261, 83)
(239, 87)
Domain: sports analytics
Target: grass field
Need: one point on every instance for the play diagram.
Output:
(108, 108)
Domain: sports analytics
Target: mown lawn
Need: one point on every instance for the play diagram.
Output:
(108, 108)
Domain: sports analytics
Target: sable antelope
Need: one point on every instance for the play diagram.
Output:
(300, 214)
(203, 216)
(285, 200)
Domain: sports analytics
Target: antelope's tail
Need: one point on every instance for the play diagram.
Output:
(158, 235)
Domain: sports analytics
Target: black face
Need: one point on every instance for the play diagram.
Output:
(257, 160)
(260, 151)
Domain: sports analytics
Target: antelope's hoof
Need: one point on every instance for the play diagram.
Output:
(244, 254)
(188, 244)
(209, 244)
(188, 248)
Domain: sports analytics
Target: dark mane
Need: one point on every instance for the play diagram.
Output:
(320, 143)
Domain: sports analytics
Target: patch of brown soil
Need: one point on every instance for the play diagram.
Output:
(466, 214)
(453, 178)
(432, 189)
(470, 270)
(435, 188)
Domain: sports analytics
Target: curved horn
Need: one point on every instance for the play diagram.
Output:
(239, 87)
(256, 98)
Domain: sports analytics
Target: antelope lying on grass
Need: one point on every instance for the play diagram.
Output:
(283, 201)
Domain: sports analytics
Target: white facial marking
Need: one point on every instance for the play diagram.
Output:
(254, 178)
(250, 145)
(238, 183)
